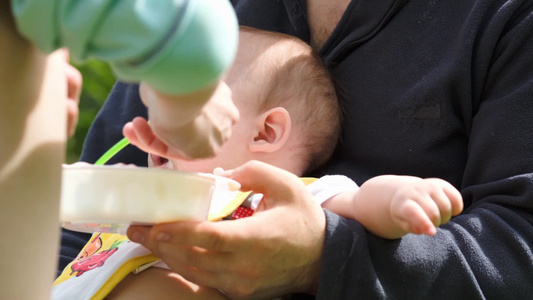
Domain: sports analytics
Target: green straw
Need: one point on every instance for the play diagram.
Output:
(112, 151)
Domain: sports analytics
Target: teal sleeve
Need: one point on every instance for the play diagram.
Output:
(177, 46)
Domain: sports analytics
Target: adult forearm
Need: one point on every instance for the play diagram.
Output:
(32, 133)
(457, 263)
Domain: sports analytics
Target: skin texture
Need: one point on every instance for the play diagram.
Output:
(287, 262)
(197, 128)
(391, 206)
(497, 199)
(286, 253)
(323, 17)
(397, 212)
(196, 124)
(33, 119)
(220, 254)
(74, 84)
(263, 134)
(157, 283)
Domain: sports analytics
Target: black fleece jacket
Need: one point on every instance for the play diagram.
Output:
(435, 88)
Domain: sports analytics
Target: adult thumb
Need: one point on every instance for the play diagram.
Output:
(274, 183)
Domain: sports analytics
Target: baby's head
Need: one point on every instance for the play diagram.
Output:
(289, 114)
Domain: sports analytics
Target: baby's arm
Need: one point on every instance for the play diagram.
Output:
(391, 206)
(157, 283)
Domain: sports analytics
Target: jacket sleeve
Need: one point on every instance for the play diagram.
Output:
(177, 46)
(486, 252)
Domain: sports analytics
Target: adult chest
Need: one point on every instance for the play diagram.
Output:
(406, 91)
(323, 17)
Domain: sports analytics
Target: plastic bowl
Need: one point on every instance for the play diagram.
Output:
(110, 198)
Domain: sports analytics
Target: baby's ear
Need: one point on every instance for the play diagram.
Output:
(273, 130)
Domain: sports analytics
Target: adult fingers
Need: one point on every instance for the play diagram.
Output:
(195, 125)
(221, 236)
(197, 251)
(74, 85)
(129, 133)
(139, 133)
(72, 117)
(147, 139)
(274, 183)
(74, 82)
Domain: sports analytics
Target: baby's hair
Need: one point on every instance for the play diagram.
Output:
(300, 82)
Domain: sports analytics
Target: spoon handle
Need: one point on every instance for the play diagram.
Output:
(112, 151)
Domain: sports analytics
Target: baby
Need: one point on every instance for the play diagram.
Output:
(289, 118)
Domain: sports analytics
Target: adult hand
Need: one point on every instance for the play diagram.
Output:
(74, 84)
(185, 126)
(276, 251)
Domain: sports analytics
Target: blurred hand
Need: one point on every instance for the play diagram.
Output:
(186, 126)
(276, 251)
(74, 84)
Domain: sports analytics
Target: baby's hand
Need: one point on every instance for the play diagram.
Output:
(423, 205)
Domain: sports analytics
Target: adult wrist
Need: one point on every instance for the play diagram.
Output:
(174, 111)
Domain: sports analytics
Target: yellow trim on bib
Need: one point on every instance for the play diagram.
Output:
(239, 199)
(121, 273)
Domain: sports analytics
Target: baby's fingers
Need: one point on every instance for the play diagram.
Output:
(411, 217)
(455, 198)
(447, 198)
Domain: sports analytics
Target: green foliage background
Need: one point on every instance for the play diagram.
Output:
(98, 80)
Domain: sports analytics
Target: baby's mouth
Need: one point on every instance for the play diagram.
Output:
(161, 162)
